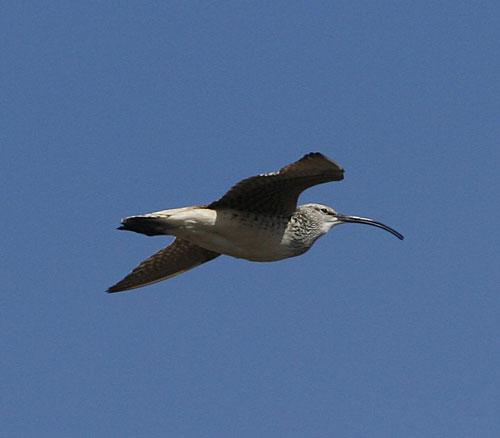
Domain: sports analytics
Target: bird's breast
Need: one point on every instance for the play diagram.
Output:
(243, 235)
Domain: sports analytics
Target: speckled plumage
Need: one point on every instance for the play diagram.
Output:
(257, 220)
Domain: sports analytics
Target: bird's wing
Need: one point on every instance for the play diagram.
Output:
(277, 193)
(173, 260)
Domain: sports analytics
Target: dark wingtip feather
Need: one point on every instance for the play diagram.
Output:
(118, 287)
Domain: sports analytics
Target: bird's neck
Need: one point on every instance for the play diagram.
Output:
(303, 230)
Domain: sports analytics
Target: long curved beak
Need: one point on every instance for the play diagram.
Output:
(366, 221)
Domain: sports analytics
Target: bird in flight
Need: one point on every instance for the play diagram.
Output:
(258, 220)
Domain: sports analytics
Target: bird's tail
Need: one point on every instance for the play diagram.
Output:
(146, 224)
(166, 221)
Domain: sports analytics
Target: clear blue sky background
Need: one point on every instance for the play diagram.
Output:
(111, 109)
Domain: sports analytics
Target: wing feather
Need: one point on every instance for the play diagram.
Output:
(277, 193)
(173, 260)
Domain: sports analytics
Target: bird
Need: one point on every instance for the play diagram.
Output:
(257, 219)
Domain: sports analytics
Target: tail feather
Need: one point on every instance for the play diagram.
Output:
(150, 226)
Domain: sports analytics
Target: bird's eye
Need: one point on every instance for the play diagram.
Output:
(324, 210)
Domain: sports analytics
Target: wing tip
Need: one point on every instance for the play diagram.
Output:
(319, 156)
(122, 286)
(113, 289)
(125, 284)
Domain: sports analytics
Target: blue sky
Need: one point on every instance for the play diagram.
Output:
(111, 109)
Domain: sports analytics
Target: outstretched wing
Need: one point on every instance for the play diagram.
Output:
(277, 193)
(173, 260)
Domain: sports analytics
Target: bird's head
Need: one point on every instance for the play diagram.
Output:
(327, 217)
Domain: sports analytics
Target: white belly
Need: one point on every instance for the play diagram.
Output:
(236, 234)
